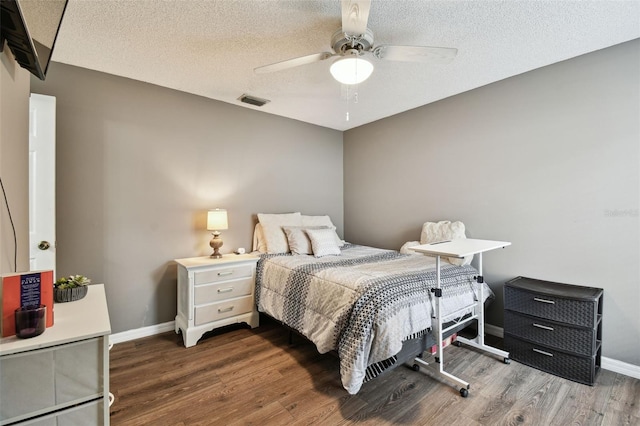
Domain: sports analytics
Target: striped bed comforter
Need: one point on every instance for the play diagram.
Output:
(363, 303)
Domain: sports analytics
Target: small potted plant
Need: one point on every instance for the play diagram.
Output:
(68, 289)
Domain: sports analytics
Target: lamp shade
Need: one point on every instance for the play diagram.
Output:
(217, 220)
(351, 69)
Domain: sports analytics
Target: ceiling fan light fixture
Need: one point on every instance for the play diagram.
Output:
(351, 69)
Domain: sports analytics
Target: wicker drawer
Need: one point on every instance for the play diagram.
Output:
(554, 308)
(224, 309)
(578, 340)
(582, 369)
(222, 291)
(223, 274)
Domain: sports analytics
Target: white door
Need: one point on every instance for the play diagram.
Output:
(42, 182)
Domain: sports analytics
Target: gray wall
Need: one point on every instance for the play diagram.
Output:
(14, 163)
(549, 160)
(139, 165)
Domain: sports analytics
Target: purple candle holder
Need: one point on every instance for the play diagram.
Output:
(30, 321)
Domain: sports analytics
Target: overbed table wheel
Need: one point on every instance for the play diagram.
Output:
(507, 361)
(415, 367)
(464, 392)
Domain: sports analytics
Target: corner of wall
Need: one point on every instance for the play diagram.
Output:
(14, 163)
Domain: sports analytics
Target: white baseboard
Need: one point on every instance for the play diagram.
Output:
(607, 363)
(610, 364)
(139, 333)
(621, 367)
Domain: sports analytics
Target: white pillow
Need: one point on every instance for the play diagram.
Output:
(298, 239)
(317, 221)
(406, 247)
(274, 237)
(323, 242)
(445, 230)
(321, 221)
(259, 242)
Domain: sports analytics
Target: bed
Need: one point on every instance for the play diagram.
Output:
(373, 307)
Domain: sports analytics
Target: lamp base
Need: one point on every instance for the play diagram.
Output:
(216, 243)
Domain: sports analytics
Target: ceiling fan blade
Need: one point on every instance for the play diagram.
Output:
(355, 14)
(442, 55)
(291, 63)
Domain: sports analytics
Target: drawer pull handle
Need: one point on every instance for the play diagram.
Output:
(225, 290)
(225, 274)
(542, 352)
(551, 302)
(544, 327)
(229, 309)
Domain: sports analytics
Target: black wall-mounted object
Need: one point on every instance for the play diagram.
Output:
(30, 29)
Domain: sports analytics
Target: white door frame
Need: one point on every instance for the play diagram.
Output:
(42, 182)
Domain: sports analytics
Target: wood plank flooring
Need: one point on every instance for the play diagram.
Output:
(240, 376)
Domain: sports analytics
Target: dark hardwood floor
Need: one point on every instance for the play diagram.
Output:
(243, 376)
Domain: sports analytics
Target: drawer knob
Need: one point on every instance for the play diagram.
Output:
(542, 352)
(229, 309)
(551, 302)
(225, 274)
(225, 290)
(544, 327)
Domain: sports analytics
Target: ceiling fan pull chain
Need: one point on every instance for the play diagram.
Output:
(348, 88)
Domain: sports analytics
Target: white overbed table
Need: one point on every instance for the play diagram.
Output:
(461, 248)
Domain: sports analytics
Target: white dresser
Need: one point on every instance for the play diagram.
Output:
(62, 376)
(215, 292)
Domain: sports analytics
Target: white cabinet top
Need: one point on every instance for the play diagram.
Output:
(72, 321)
(461, 247)
(193, 262)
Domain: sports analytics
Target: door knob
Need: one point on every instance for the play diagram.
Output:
(44, 245)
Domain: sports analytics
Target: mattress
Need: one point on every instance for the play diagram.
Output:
(363, 303)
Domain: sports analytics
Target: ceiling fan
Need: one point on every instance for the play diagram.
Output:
(354, 42)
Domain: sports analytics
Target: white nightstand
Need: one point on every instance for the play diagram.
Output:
(215, 292)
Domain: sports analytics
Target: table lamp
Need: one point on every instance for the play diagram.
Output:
(216, 221)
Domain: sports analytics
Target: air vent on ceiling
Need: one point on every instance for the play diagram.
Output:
(247, 99)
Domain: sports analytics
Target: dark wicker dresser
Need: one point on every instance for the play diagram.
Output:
(554, 327)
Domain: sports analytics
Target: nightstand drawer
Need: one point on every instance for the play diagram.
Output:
(581, 341)
(221, 310)
(222, 291)
(223, 274)
(576, 312)
(582, 369)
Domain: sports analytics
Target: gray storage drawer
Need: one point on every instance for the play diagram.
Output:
(81, 415)
(579, 340)
(581, 369)
(577, 312)
(57, 377)
(27, 381)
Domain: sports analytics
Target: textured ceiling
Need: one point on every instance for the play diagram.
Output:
(210, 47)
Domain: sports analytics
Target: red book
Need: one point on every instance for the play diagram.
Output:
(25, 289)
(446, 342)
